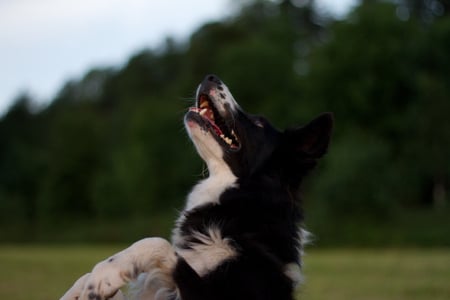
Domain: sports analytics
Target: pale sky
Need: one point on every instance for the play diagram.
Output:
(43, 43)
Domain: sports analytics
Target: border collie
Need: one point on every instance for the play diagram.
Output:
(239, 235)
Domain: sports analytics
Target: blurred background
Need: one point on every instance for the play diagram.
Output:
(104, 157)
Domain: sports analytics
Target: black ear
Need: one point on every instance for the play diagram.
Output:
(312, 139)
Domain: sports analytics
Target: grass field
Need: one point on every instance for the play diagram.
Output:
(45, 272)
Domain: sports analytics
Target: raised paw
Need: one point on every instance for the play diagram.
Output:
(104, 282)
(75, 292)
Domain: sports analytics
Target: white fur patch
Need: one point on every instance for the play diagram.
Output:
(305, 237)
(220, 175)
(294, 270)
(294, 273)
(211, 252)
(208, 148)
(210, 189)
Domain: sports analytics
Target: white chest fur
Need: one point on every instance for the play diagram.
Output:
(210, 189)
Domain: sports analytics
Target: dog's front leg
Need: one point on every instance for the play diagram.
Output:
(110, 275)
(75, 291)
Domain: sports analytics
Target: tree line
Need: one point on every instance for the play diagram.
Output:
(108, 159)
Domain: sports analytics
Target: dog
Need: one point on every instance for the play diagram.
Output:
(239, 235)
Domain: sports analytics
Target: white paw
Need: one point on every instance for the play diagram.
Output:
(105, 281)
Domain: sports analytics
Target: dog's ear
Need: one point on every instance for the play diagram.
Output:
(310, 141)
(301, 148)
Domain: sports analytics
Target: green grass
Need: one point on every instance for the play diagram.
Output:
(377, 274)
(45, 272)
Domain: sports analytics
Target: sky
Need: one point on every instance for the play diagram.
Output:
(44, 43)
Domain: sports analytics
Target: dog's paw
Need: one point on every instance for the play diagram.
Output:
(104, 282)
(76, 292)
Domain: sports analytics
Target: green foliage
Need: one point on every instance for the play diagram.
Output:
(108, 159)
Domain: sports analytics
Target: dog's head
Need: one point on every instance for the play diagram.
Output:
(226, 137)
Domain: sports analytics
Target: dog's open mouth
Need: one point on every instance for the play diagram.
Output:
(216, 123)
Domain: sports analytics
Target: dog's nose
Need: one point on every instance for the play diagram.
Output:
(210, 82)
(211, 79)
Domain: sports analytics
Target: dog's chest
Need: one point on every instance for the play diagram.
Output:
(211, 248)
(210, 189)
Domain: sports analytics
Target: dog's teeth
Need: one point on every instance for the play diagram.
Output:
(203, 111)
(204, 104)
(226, 139)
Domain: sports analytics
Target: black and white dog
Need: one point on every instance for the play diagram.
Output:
(238, 236)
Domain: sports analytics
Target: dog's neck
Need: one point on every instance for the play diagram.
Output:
(210, 189)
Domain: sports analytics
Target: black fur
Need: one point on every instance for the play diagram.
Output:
(261, 215)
